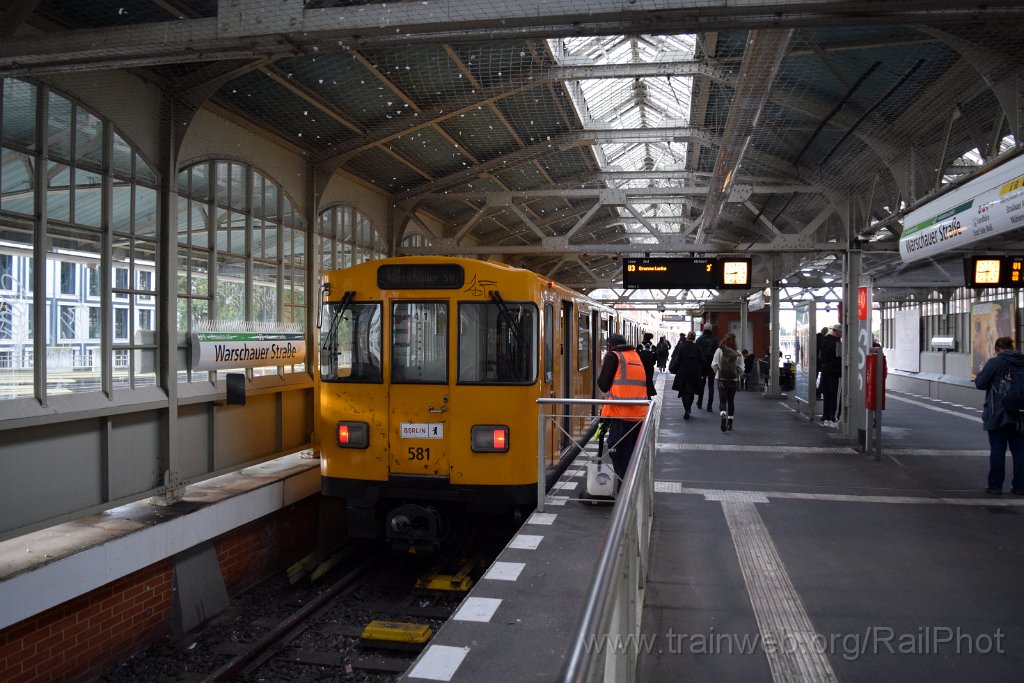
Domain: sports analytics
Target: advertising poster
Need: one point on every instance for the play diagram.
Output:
(989, 321)
(806, 374)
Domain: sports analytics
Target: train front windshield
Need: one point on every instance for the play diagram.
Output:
(350, 343)
(497, 343)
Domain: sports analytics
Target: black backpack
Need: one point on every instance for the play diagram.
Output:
(647, 355)
(1010, 390)
(707, 345)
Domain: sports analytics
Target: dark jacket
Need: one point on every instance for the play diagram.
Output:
(648, 356)
(687, 363)
(829, 359)
(993, 416)
(610, 365)
(708, 343)
(664, 348)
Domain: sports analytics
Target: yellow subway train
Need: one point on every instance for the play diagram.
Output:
(429, 373)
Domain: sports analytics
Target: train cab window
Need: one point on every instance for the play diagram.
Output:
(419, 344)
(497, 343)
(350, 343)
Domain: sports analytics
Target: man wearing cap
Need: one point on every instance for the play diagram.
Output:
(623, 376)
(831, 363)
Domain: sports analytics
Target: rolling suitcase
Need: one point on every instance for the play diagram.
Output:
(600, 473)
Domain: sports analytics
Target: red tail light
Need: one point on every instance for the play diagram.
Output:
(489, 438)
(353, 434)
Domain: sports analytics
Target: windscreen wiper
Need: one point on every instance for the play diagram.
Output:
(328, 339)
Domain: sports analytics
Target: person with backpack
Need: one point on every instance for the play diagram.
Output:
(648, 356)
(707, 342)
(1002, 378)
(727, 365)
(662, 349)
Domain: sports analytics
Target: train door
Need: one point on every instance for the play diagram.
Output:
(567, 320)
(598, 336)
(420, 388)
(550, 382)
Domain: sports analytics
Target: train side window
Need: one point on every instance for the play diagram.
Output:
(583, 341)
(351, 342)
(497, 343)
(549, 342)
(419, 342)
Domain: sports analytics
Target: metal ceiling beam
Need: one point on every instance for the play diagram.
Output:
(261, 28)
(664, 69)
(761, 62)
(670, 244)
(615, 197)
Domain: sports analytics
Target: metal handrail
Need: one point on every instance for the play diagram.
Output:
(541, 460)
(615, 593)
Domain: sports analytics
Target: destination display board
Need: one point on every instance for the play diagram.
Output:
(686, 273)
(994, 271)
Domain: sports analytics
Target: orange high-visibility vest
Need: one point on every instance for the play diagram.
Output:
(630, 383)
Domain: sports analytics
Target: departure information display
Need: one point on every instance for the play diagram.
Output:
(686, 273)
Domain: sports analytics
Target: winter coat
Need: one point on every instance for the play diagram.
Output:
(993, 415)
(687, 363)
(708, 343)
(663, 350)
(829, 360)
(648, 356)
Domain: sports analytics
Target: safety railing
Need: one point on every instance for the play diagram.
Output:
(614, 601)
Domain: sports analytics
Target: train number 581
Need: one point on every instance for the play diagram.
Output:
(419, 453)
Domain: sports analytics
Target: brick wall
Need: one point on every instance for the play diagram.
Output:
(81, 638)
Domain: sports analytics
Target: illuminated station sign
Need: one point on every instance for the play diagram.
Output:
(994, 271)
(686, 273)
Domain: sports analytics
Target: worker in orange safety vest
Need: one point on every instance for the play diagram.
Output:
(623, 376)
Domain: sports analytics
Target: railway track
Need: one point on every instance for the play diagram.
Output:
(365, 619)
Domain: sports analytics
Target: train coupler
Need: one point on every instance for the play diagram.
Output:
(414, 529)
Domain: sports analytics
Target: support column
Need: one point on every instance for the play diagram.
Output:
(746, 341)
(856, 344)
(773, 352)
(167, 300)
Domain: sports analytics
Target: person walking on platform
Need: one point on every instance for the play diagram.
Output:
(727, 364)
(817, 365)
(708, 344)
(688, 366)
(648, 356)
(1004, 429)
(663, 349)
(623, 377)
(831, 363)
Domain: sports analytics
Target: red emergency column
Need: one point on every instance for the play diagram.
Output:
(869, 384)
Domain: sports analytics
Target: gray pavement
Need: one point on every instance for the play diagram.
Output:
(780, 553)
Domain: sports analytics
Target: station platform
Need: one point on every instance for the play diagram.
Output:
(779, 552)
(41, 570)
